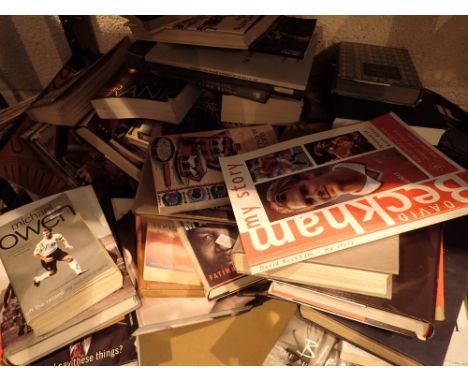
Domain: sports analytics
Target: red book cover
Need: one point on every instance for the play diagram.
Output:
(314, 195)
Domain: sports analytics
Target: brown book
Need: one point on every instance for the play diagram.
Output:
(411, 309)
(154, 288)
(404, 350)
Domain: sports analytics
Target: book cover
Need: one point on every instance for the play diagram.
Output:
(145, 204)
(166, 259)
(411, 308)
(186, 170)
(23, 346)
(33, 248)
(284, 75)
(357, 269)
(156, 288)
(111, 346)
(210, 247)
(134, 93)
(404, 350)
(341, 188)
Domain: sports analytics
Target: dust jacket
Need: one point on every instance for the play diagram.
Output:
(314, 195)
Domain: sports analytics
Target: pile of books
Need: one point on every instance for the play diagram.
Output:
(227, 181)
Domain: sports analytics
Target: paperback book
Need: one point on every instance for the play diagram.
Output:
(146, 205)
(186, 170)
(22, 345)
(210, 248)
(66, 99)
(166, 259)
(133, 93)
(151, 288)
(111, 346)
(328, 191)
(230, 31)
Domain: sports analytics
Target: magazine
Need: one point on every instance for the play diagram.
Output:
(328, 191)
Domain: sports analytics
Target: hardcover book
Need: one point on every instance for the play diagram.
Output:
(276, 74)
(186, 170)
(358, 269)
(210, 248)
(411, 308)
(230, 31)
(328, 191)
(378, 73)
(405, 350)
(23, 346)
(134, 93)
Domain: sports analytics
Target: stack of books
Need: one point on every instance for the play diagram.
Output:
(239, 187)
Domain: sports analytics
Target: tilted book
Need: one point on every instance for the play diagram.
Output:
(145, 204)
(210, 248)
(166, 259)
(134, 93)
(23, 346)
(66, 99)
(150, 288)
(411, 308)
(317, 194)
(186, 170)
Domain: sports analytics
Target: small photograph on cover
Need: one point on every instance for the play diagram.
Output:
(279, 163)
(303, 344)
(328, 185)
(111, 346)
(212, 245)
(341, 146)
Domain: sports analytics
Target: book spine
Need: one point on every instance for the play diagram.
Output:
(256, 91)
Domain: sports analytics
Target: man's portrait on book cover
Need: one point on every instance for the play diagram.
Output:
(342, 181)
